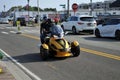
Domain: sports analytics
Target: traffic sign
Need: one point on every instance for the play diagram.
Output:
(74, 7)
(63, 5)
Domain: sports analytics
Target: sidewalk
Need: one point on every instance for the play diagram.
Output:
(5, 74)
(11, 72)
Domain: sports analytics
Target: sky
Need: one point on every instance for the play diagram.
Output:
(42, 3)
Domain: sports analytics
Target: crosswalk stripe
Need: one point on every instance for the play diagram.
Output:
(4, 32)
(12, 31)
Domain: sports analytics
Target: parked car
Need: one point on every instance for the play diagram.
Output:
(4, 21)
(77, 24)
(109, 28)
(0, 20)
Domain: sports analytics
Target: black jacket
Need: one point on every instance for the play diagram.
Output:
(45, 27)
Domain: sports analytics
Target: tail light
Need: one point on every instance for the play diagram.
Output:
(80, 23)
(95, 23)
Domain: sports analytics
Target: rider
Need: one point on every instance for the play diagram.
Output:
(49, 27)
(45, 29)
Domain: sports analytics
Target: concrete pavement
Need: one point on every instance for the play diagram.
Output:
(11, 72)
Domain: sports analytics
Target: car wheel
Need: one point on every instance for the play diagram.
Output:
(117, 34)
(44, 53)
(97, 33)
(74, 30)
(75, 48)
(75, 51)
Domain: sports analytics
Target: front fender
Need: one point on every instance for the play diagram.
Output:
(45, 46)
(74, 44)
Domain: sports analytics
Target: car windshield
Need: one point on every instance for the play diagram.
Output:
(115, 21)
(87, 18)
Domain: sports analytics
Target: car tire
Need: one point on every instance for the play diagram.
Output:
(117, 34)
(75, 48)
(74, 30)
(75, 51)
(44, 53)
(97, 33)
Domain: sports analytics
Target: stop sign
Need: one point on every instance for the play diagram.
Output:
(74, 7)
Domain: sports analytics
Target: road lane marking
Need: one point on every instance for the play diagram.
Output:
(100, 53)
(108, 55)
(4, 32)
(28, 72)
(12, 31)
(30, 36)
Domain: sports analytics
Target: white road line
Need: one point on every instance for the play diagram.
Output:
(12, 31)
(31, 31)
(28, 72)
(4, 32)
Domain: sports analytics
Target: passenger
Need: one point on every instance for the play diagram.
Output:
(57, 30)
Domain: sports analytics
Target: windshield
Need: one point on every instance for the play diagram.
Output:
(87, 18)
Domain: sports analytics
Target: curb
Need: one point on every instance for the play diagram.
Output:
(18, 70)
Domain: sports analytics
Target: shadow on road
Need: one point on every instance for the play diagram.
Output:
(31, 57)
(34, 57)
(108, 39)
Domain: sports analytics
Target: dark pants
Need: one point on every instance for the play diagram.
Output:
(42, 38)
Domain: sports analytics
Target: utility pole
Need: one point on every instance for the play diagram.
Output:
(90, 7)
(38, 13)
(105, 8)
(28, 10)
(68, 2)
(4, 8)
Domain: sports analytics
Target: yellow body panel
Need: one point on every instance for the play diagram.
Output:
(1, 70)
(63, 54)
(45, 46)
(52, 41)
(58, 46)
(75, 43)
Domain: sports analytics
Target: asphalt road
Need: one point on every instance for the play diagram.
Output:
(99, 58)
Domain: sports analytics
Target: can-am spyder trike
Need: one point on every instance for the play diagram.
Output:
(56, 46)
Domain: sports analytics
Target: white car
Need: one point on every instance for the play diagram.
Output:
(77, 24)
(109, 28)
(4, 20)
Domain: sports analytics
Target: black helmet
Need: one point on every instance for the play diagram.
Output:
(44, 18)
(49, 20)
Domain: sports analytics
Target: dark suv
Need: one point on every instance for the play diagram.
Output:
(22, 21)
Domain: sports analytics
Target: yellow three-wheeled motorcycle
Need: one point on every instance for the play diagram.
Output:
(59, 47)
